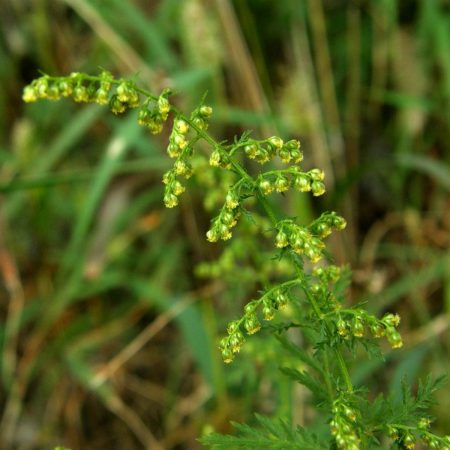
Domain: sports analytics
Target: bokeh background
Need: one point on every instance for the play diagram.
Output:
(108, 335)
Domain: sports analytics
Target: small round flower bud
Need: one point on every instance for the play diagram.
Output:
(200, 123)
(394, 338)
(377, 330)
(133, 99)
(251, 150)
(224, 232)
(178, 188)
(302, 183)
(53, 92)
(285, 155)
(297, 156)
(251, 324)
(317, 174)
(231, 200)
(281, 184)
(143, 116)
(181, 126)
(268, 312)
(180, 140)
(163, 106)
(249, 308)
(323, 229)
(392, 320)
(101, 96)
(66, 88)
(313, 254)
(409, 441)
(393, 433)
(265, 186)
(205, 111)
(293, 144)
(236, 340)
(350, 413)
(80, 94)
(215, 159)
(173, 151)
(124, 92)
(227, 355)
(116, 106)
(233, 327)
(170, 200)
(41, 87)
(281, 240)
(29, 94)
(212, 235)
(281, 301)
(275, 142)
(341, 326)
(318, 188)
(357, 328)
(339, 222)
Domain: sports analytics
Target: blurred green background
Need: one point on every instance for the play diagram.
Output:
(108, 338)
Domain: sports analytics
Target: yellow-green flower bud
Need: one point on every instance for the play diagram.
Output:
(215, 159)
(341, 326)
(317, 174)
(231, 200)
(101, 97)
(80, 94)
(275, 142)
(116, 106)
(163, 106)
(318, 188)
(281, 184)
(268, 312)
(227, 355)
(250, 150)
(251, 324)
(265, 186)
(302, 183)
(170, 200)
(212, 235)
(205, 111)
(181, 126)
(394, 338)
(178, 188)
(29, 94)
(233, 327)
(357, 328)
(281, 240)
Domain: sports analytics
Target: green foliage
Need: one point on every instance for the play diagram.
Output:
(308, 294)
(267, 434)
(311, 288)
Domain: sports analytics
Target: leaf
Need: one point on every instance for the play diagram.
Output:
(270, 434)
(304, 378)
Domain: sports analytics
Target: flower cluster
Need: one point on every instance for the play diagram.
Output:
(74, 86)
(273, 300)
(222, 224)
(308, 240)
(282, 180)
(180, 148)
(353, 322)
(343, 426)
(264, 150)
(153, 114)
(407, 436)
